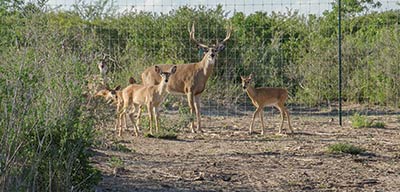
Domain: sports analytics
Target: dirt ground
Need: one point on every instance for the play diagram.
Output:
(226, 158)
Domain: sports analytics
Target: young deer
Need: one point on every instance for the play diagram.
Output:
(150, 95)
(266, 96)
(114, 96)
(190, 79)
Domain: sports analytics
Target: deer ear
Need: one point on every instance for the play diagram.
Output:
(157, 69)
(251, 76)
(173, 69)
(132, 80)
(241, 77)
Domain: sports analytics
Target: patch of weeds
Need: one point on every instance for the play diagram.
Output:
(185, 117)
(323, 186)
(345, 148)
(115, 162)
(361, 121)
(120, 147)
(378, 124)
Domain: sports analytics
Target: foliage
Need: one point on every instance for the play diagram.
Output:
(115, 162)
(345, 148)
(361, 121)
(120, 147)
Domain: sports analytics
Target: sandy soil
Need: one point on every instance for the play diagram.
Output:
(226, 158)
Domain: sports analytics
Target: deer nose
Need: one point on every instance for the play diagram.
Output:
(212, 54)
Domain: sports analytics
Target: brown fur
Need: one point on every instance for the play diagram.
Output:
(190, 79)
(150, 95)
(266, 96)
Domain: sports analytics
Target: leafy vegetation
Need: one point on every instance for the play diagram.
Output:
(361, 121)
(345, 148)
(116, 162)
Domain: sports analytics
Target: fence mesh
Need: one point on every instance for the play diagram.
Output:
(291, 44)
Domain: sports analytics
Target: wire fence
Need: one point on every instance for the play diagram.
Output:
(291, 44)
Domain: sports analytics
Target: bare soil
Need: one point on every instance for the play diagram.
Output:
(226, 158)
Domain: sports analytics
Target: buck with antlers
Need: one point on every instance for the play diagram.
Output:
(266, 96)
(190, 79)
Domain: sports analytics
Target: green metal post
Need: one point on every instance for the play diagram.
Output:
(340, 61)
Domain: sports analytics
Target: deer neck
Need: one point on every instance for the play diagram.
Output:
(206, 65)
(162, 88)
(251, 92)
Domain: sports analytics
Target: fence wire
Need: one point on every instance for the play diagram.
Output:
(290, 44)
(287, 43)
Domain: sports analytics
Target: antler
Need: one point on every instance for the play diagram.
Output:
(228, 35)
(191, 34)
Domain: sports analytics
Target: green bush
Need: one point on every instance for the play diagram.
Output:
(361, 121)
(345, 148)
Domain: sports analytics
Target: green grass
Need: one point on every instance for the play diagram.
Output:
(361, 121)
(115, 162)
(345, 148)
(121, 148)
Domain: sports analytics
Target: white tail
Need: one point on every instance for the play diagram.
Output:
(266, 96)
(190, 79)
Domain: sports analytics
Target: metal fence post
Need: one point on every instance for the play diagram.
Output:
(340, 61)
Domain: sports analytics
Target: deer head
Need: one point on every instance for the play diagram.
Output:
(165, 75)
(210, 51)
(109, 94)
(246, 81)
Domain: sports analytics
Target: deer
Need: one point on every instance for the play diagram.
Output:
(190, 79)
(266, 96)
(150, 95)
(96, 82)
(114, 96)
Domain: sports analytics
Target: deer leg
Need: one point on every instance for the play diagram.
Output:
(131, 117)
(150, 112)
(252, 121)
(138, 117)
(156, 115)
(197, 109)
(281, 110)
(288, 118)
(121, 115)
(262, 121)
(117, 119)
(192, 110)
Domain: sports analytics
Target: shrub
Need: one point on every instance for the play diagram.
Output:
(121, 148)
(345, 148)
(115, 162)
(361, 121)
